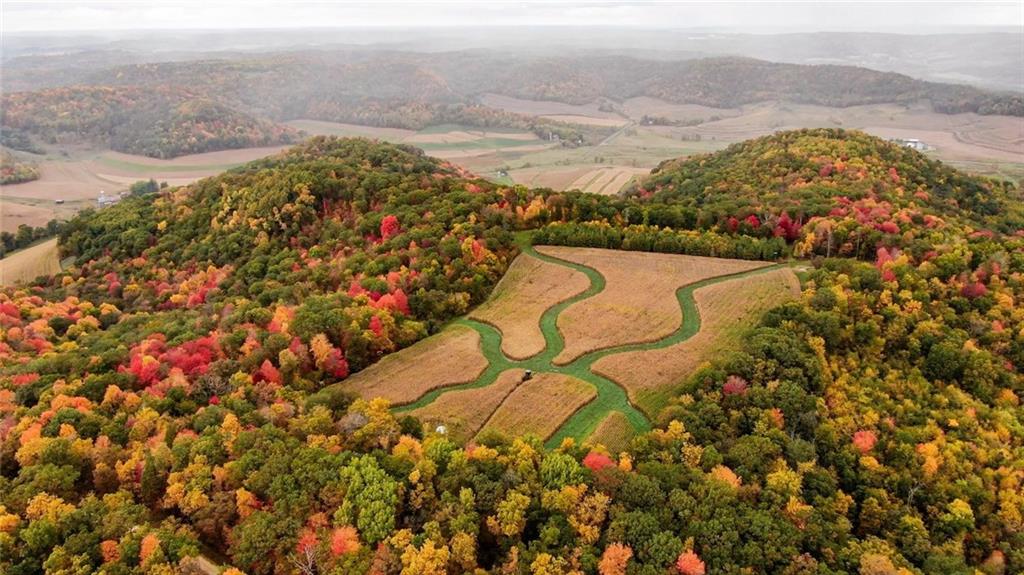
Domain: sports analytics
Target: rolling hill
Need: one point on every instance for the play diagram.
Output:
(184, 393)
(208, 104)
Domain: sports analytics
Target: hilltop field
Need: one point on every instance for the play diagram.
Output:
(606, 334)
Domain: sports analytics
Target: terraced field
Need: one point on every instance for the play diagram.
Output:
(471, 377)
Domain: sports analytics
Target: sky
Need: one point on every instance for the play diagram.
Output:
(60, 15)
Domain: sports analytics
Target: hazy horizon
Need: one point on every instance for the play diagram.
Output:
(737, 17)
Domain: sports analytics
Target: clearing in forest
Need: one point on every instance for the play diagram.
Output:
(451, 357)
(638, 302)
(470, 379)
(27, 264)
(540, 405)
(726, 310)
(464, 411)
(529, 287)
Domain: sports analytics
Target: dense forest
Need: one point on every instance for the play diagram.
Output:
(181, 389)
(236, 102)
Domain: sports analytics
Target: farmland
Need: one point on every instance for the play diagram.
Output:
(637, 302)
(650, 374)
(568, 397)
(529, 287)
(464, 412)
(448, 358)
(540, 405)
(26, 264)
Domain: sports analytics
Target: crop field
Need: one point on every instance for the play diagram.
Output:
(551, 108)
(463, 412)
(614, 432)
(529, 287)
(449, 358)
(638, 301)
(540, 405)
(449, 141)
(469, 377)
(606, 180)
(649, 374)
(28, 263)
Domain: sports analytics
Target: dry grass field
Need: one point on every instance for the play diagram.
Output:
(27, 264)
(540, 405)
(606, 180)
(549, 108)
(448, 358)
(638, 302)
(726, 310)
(586, 120)
(529, 287)
(614, 432)
(463, 412)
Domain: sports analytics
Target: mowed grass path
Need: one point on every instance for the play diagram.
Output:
(611, 398)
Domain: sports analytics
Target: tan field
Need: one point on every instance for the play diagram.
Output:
(638, 302)
(463, 136)
(540, 405)
(586, 120)
(27, 264)
(448, 358)
(614, 433)
(463, 412)
(637, 108)
(445, 142)
(529, 287)
(727, 309)
(606, 180)
(321, 128)
(549, 108)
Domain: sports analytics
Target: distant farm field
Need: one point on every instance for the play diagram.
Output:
(26, 264)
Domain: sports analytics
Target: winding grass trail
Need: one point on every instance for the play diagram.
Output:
(610, 395)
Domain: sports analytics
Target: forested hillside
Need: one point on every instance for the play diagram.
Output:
(161, 122)
(182, 387)
(838, 192)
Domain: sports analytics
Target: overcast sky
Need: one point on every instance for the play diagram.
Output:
(51, 15)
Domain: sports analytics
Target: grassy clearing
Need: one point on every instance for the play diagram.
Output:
(529, 287)
(637, 304)
(540, 405)
(27, 264)
(452, 357)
